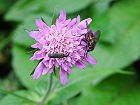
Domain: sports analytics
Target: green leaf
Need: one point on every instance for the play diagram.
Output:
(21, 36)
(124, 19)
(125, 29)
(100, 7)
(25, 8)
(70, 6)
(22, 9)
(119, 19)
(1, 94)
(23, 66)
(78, 81)
(17, 98)
(116, 90)
(16, 95)
(4, 41)
(10, 100)
(4, 5)
(55, 16)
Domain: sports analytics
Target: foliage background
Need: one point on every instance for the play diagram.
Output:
(113, 81)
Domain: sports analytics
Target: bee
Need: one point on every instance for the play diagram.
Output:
(91, 38)
(58, 55)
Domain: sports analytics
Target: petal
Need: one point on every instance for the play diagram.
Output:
(45, 70)
(83, 24)
(37, 56)
(40, 23)
(84, 31)
(90, 59)
(78, 19)
(62, 16)
(51, 69)
(35, 45)
(80, 64)
(59, 26)
(69, 70)
(51, 63)
(46, 63)
(63, 76)
(66, 66)
(45, 30)
(68, 59)
(38, 70)
(73, 21)
(67, 22)
(34, 34)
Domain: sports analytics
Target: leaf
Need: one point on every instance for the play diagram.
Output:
(78, 81)
(124, 50)
(1, 94)
(23, 66)
(100, 7)
(4, 5)
(124, 19)
(22, 9)
(116, 90)
(11, 99)
(118, 20)
(70, 6)
(21, 36)
(4, 41)
(16, 95)
(25, 8)
(55, 16)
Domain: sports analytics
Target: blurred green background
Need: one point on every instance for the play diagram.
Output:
(115, 80)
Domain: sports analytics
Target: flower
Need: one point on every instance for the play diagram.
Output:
(63, 37)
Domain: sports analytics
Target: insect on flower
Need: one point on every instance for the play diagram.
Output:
(60, 41)
(58, 55)
(91, 38)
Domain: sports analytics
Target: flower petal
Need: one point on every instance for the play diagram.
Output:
(40, 23)
(46, 63)
(80, 64)
(37, 56)
(51, 69)
(63, 76)
(51, 63)
(34, 45)
(72, 23)
(90, 60)
(78, 19)
(62, 16)
(34, 34)
(67, 22)
(84, 31)
(83, 24)
(45, 70)
(69, 70)
(38, 70)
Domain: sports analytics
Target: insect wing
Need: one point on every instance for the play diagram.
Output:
(97, 35)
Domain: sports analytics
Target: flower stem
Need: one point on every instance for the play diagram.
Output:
(48, 88)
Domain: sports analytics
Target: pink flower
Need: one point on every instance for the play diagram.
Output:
(64, 37)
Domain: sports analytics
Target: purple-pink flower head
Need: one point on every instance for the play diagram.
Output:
(62, 39)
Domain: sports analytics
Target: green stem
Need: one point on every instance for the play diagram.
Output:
(48, 88)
